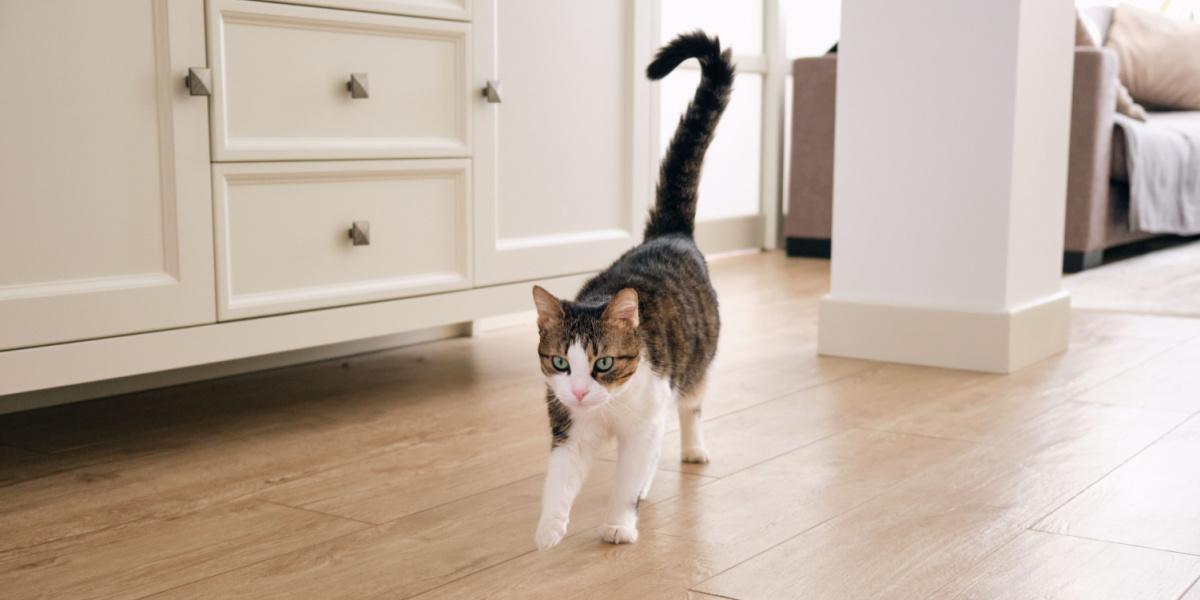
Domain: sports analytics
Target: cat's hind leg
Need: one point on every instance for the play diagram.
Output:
(691, 432)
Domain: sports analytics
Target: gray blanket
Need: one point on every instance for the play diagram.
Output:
(1163, 162)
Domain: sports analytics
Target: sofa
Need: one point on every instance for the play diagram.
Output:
(1097, 204)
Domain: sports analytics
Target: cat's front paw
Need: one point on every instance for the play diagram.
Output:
(550, 532)
(694, 455)
(620, 534)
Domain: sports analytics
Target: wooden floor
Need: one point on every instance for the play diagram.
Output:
(416, 473)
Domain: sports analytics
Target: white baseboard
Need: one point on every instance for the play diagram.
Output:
(999, 341)
(730, 234)
(149, 381)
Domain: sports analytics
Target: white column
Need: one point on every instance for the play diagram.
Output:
(953, 119)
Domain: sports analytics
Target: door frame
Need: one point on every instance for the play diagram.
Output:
(762, 230)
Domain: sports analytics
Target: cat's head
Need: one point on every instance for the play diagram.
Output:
(588, 352)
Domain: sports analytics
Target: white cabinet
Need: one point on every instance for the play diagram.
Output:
(562, 162)
(105, 205)
(360, 182)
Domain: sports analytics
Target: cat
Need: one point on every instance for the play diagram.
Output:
(640, 335)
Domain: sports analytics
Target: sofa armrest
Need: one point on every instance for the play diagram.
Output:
(1093, 105)
(810, 185)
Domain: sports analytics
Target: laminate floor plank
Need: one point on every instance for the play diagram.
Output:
(135, 559)
(165, 485)
(1167, 382)
(1055, 567)
(1151, 501)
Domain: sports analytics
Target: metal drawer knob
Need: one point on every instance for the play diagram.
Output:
(198, 81)
(358, 86)
(491, 91)
(360, 233)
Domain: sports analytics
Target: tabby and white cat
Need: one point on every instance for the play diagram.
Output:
(640, 335)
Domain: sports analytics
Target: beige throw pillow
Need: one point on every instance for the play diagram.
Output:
(1125, 103)
(1159, 57)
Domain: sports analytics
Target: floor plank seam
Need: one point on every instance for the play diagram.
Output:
(712, 594)
(1037, 524)
(1178, 411)
(1128, 368)
(832, 517)
(605, 459)
(1138, 313)
(39, 476)
(979, 561)
(519, 555)
(61, 538)
(25, 449)
(789, 393)
(460, 498)
(472, 573)
(1114, 542)
(317, 512)
(780, 543)
(921, 435)
(246, 566)
(1189, 589)
(789, 451)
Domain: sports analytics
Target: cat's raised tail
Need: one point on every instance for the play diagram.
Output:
(679, 177)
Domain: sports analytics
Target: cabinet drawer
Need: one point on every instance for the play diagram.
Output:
(281, 78)
(458, 10)
(284, 233)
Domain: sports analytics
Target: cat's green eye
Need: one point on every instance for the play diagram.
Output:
(604, 363)
(560, 363)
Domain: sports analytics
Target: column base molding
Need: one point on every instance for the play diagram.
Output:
(1000, 341)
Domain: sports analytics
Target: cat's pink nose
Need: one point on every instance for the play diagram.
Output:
(580, 393)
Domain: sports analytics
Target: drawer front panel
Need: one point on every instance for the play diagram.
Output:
(458, 10)
(284, 239)
(282, 74)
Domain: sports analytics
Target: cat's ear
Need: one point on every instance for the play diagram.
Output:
(549, 309)
(622, 310)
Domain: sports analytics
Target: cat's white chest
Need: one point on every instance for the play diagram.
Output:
(644, 400)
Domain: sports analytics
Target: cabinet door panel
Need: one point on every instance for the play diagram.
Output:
(105, 205)
(562, 171)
